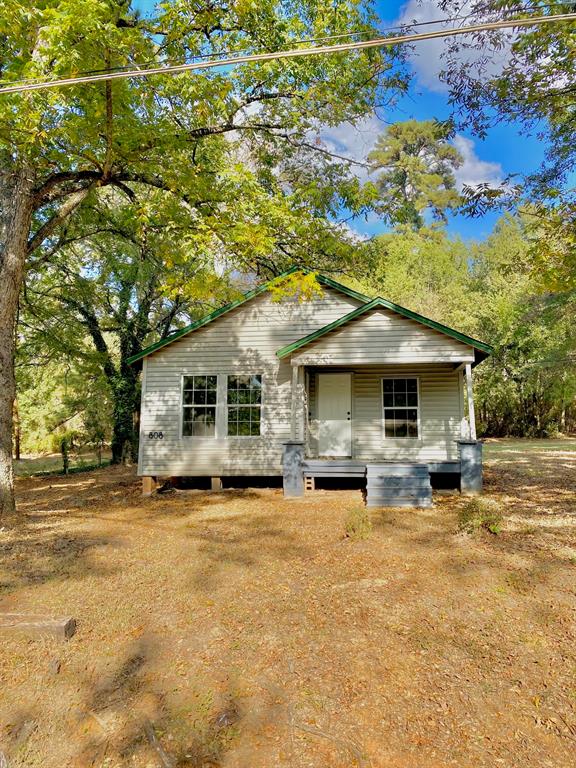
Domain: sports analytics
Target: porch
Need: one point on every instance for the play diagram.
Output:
(383, 421)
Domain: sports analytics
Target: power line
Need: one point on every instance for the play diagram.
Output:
(230, 52)
(290, 54)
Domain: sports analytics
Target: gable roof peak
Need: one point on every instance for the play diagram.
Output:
(197, 324)
(482, 349)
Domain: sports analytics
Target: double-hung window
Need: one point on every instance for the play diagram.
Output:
(400, 401)
(199, 395)
(244, 401)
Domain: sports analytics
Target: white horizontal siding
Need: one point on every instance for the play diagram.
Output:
(244, 340)
(383, 337)
(440, 416)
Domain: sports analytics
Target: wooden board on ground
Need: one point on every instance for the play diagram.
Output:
(35, 624)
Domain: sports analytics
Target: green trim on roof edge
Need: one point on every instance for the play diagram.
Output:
(235, 304)
(374, 304)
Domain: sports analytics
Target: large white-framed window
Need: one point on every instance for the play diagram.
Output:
(244, 406)
(199, 401)
(401, 407)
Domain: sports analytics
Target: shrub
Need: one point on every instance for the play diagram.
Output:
(358, 525)
(479, 514)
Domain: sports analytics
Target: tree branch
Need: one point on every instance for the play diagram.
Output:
(61, 215)
(43, 193)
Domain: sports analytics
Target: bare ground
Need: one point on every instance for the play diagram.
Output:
(237, 629)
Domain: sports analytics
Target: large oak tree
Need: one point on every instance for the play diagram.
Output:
(234, 148)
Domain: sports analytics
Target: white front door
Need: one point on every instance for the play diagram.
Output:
(335, 414)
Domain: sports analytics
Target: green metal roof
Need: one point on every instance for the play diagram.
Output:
(234, 304)
(483, 349)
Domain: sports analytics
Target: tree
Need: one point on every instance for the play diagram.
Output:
(533, 88)
(249, 195)
(527, 387)
(120, 276)
(59, 393)
(416, 164)
(533, 85)
(424, 270)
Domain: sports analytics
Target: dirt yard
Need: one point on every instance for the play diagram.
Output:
(240, 630)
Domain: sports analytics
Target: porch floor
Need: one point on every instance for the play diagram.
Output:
(343, 467)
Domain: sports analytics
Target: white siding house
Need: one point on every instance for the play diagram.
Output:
(346, 377)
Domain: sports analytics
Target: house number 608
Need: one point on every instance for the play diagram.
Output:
(155, 435)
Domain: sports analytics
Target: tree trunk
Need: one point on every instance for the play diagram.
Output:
(124, 438)
(16, 206)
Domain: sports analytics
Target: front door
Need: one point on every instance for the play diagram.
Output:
(335, 414)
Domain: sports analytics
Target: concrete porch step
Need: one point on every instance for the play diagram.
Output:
(394, 501)
(401, 493)
(397, 470)
(398, 485)
(404, 481)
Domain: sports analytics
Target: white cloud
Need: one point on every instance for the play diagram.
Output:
(353, 141)
(353, 234)
(426, 56)
(473, 170)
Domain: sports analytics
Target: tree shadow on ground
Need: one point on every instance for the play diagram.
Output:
(125, 719)
(35, 558)
(75, 491)
(245, 542)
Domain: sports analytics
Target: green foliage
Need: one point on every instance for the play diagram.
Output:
(531, 84)
(234, 155)
(526, 77)
(527, 388)
(65, 445)
(553, 231)
(358, 525)
(478, 514)
(491, 291)
(299, 285)
(416, 165)
(68, 396)
(424, 270)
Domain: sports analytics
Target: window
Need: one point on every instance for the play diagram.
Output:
(199, 395)
(244, 405)
(400, 402)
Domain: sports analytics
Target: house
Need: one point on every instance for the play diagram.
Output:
(341, 385)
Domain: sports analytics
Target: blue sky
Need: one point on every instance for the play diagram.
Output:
(504, 151)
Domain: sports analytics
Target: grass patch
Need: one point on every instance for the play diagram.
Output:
(480, 514)
(358, 525)
(51, 464)
(71, 470)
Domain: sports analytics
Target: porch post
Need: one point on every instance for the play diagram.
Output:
(297, 424)
(470, 398)
(294, 404)
(464, 423)
(301, 417)
(470, 448)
